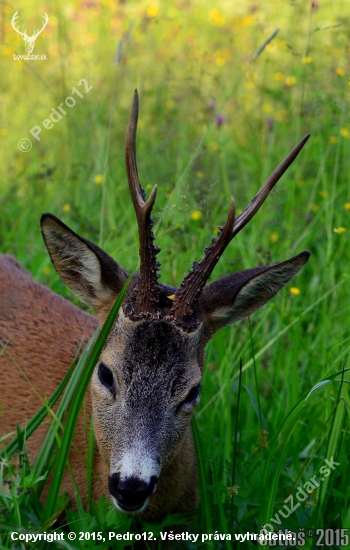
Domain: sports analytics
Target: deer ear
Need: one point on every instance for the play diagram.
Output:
(87, 271)
(233, 297)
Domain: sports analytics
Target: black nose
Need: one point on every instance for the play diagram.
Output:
(132, 492)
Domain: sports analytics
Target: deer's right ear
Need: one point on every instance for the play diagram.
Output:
(87, 271)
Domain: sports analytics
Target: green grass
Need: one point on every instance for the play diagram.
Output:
(298, 84)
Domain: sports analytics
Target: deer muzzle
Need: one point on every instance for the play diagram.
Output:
(132, 493)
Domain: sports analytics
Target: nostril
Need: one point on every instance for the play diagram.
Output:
(113, 483)
(132, 492)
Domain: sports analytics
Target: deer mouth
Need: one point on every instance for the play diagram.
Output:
(131, 494)
(130, 509)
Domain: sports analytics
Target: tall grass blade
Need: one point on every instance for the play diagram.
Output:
(205, 502)
(234, 458)
(264, 44)
(255, 376)
(50, 439)
(89, 462)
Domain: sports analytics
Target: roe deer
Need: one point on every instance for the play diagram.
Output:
(147, 382)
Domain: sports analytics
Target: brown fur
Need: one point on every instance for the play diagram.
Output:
(34, 319)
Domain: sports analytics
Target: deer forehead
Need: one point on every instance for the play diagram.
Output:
(153, 353)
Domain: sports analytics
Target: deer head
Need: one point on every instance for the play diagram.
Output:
(147, 382)
(29, 40)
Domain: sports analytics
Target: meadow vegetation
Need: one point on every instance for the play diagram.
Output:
(215, 120)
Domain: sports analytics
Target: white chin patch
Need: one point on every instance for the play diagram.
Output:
(127, 511)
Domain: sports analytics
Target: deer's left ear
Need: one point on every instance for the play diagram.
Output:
(233, 297)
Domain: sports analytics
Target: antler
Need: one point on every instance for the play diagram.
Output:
(13, 23)
(148, 288)
(195, 280)
(193, 283)
(269, 184)
(46, 20)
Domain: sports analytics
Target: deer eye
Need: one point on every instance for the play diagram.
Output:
(105, 376)
(192, 397)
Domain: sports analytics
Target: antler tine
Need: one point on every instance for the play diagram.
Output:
(147, 287)
(195, 280)
(269, 184)
(46, 20)
(13, 23)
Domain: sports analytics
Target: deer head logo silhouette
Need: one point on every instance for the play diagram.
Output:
(29, 40)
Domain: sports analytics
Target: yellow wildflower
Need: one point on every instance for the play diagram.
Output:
(47, 270)
(294, 291)
(216, 18)
(290, 80)
(247, 20)
(344, 132)
(279, 77)
(152, 10)
(199, 174)
(3, 132)
(220, 61)
(274, 237)
(324, 194)
(333, 139)
(98, 179)
(307, 60)
(67, 207)
(196, 215)
(340, 71)
(339, 230)
(347, 206)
